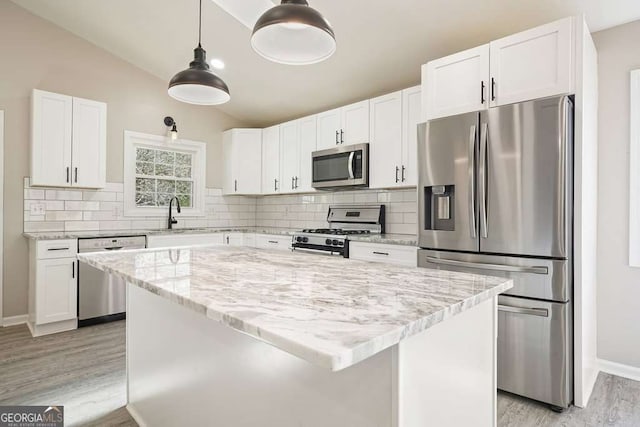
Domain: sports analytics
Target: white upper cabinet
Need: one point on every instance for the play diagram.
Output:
(68, 141)
(343, 126)
(329, 124)
(307, 128)
(297, 142)
(457, 83)
(289, 156)
(242, 154)
(394, 138)
(271, 160)
(385, 151)
(533, 64)
(355, 123)
(89, 147)
(411, 117)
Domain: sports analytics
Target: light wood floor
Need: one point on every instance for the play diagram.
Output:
(84, 370)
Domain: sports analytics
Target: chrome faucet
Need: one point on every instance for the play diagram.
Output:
(172, 220)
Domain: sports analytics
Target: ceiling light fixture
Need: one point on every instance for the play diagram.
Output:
(293, 33)
(197, 84)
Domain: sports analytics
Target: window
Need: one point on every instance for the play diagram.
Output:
(156, 170)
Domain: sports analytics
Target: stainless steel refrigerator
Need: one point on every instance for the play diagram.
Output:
(495, 197)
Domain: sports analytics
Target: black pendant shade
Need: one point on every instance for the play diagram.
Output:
(293, 33)
(197, 84)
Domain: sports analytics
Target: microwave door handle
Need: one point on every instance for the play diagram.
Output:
(351, 157)
(472, 181)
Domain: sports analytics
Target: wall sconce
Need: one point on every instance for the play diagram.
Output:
(173, 132)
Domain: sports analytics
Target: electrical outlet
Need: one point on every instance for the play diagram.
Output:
(37, 209)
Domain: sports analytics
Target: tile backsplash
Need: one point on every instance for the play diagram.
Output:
(61, 209)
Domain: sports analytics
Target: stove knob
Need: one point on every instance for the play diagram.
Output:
(335, 242)
(328, 241)
(340, 243)
(305, 239)
(298, 239)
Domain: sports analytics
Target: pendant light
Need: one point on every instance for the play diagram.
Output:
(197, 84)
(293, 33)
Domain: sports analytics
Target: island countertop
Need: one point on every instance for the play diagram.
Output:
(330, 311)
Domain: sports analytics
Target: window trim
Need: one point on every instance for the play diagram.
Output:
(198, 149)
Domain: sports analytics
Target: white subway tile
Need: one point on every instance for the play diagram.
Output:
(63, 195)
(34, 227)
(343, 198)
(402, 229)
(81, 206)
(411, 195)
(106, 196)
(366, 198)
(99, 216)
(31, 194)
(410, 218)
(120, 197)
(63, 216)
(117, 187)
(81, 225)
(115, 225)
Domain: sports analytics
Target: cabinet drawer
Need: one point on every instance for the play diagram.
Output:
(390, 254)
(49, 249)
(267, 241)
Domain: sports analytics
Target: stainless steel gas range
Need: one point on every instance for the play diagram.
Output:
(344, 221)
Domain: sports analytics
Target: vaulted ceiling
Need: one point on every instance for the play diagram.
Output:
(381, 44)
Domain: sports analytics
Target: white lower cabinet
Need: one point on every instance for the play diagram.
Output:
(179, 239)
(385, 253)
(268, 241)
(53, 286)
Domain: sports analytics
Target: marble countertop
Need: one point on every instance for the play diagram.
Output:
(331, 311)
(394, 239)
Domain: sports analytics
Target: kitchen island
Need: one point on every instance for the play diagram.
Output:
(228, 336)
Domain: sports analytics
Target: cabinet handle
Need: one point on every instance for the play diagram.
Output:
(275, 185)
(273, 241)
(67, 174)
(227, 240)
(76, 175)
(292, 183)
(296, 182)
(493, 89)
(341, 136)
(381, 253)
(235, 185)
(73, 270)
(58, 249)
(403, 169)
(482, 92)
(397, 170)
(337, 142)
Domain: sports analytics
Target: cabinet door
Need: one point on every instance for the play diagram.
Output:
(228, 158)
(457, 83)
(271, 160)
(329, 125)
(386, 141)
(89, 143)
(533, 64)
(248, 152)
(51, 130)
(355, 123)
(307, 132)
(56, 290)
(289, 156)
(411, 117)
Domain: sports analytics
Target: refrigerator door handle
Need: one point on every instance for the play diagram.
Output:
(472, 181)
(542, 312)
(494, 267)
(482, 171)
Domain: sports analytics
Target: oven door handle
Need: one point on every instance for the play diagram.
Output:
(351, 156)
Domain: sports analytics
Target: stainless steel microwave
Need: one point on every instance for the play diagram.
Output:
(340, 167)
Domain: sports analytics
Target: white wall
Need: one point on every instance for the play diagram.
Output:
(618, 284)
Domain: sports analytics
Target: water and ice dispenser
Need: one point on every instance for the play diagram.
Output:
(439, 207)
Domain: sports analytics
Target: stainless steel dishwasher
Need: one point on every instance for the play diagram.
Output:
(102, 296)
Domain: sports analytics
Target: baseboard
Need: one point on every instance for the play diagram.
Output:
(620, 370)
(15, 320)
(135, 415)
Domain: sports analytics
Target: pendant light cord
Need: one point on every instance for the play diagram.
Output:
(200, 26)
